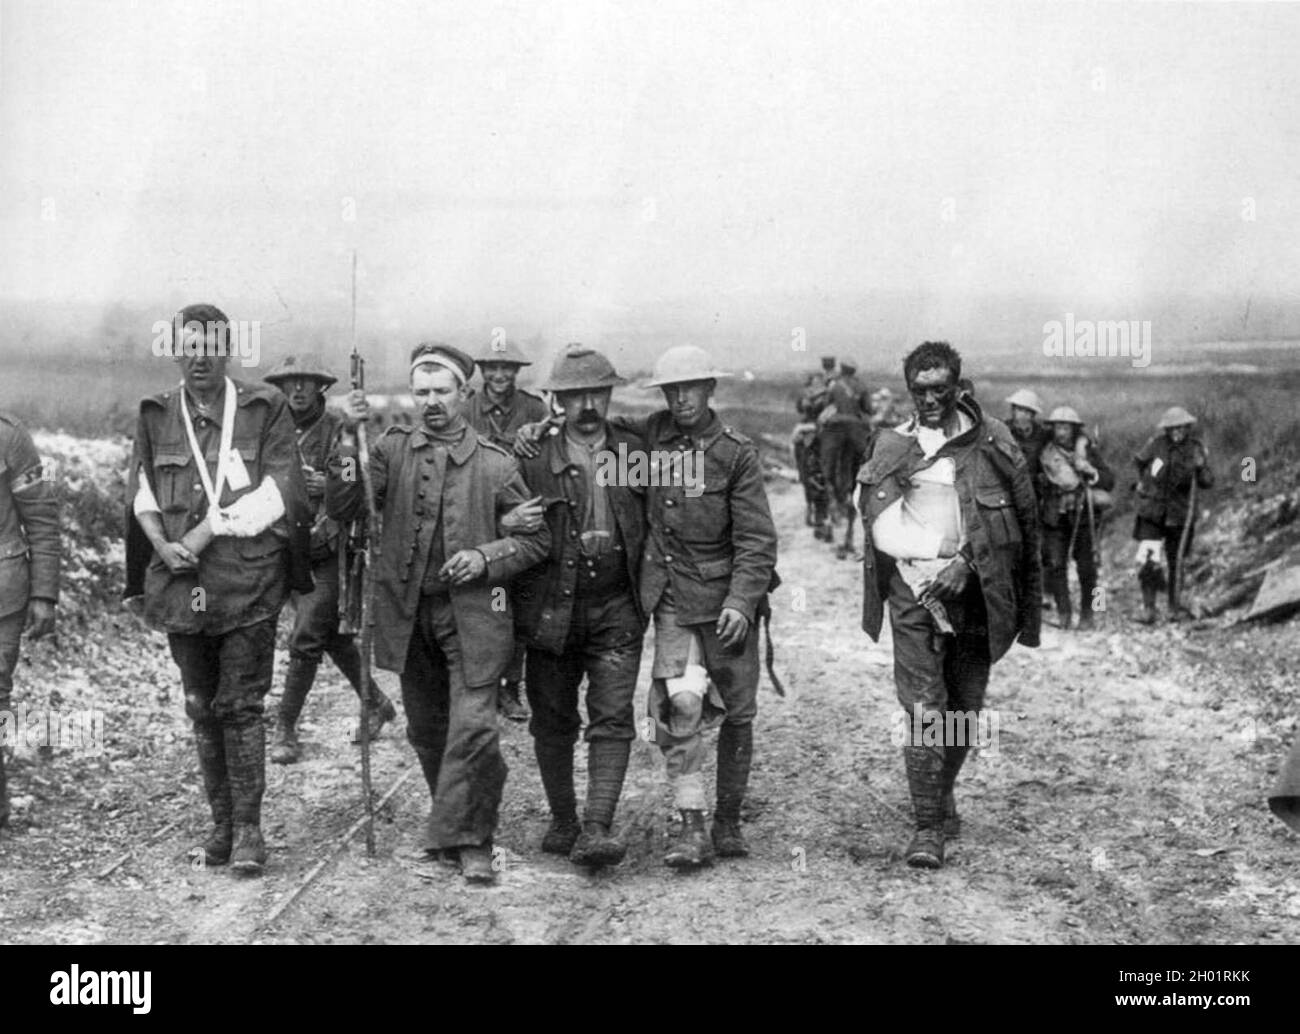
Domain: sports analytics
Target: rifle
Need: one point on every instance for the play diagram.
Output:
(358, 551)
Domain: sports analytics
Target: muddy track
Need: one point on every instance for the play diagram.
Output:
(1124, 804)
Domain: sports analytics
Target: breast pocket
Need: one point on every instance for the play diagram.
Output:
(998, 514)
(176, 485)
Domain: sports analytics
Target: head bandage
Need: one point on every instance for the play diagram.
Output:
(434, 357)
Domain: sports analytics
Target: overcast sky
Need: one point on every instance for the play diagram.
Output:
(557, 167)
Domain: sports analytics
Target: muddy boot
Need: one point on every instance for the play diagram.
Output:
(735, 756)
(606, 768)
(693, 847)
(509, 703)
(555, 763)
(286, 750)
(925, 781)
(246, 766)
(210, 743)
(476, 863)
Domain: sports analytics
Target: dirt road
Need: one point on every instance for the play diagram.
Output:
(1124, 803)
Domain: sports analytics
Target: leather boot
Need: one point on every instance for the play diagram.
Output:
(953, 758)
(735, 756)
(693, 848)
(379, 709)
(286, 750)
(925, 781)
(246, 765)
(210, 743)
(555, 763)
(606, 768)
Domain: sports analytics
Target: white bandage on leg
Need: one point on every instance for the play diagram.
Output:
(686, 693)
(251, 514)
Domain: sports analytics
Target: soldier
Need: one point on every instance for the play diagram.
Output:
(803, 442)
(216, 501)
(442, 613)
(29, 559)
(497, 413)
(1168, 465)
(951, 543)
(1068, 526)
(709, 563)
(1025, 428)
(315, 631)
(579, 612)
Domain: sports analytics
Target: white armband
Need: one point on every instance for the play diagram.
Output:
(250, 515)
(145, 501)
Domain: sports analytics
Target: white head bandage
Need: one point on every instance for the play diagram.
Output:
(439, 360)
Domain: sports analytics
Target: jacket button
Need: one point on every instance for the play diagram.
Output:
(668, 560)
(573, 472)
(669, 502)
(568, 592)
(421, 493)
(568, 563)
(573, 533)
(880, 494)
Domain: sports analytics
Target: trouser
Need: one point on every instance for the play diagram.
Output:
(453, 728)
(604, 645)
(315, 631)
(941, 681)
(1056, 564)
(226, 679)
(11, 630)
(681, 717)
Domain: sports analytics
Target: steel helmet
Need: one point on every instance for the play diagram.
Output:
(1176, 416)
(579, 368)
(294, 366)
(683, 363)
(1026, 399)
(1064, 415)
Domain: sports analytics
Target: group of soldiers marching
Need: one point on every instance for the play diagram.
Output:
(508, 554)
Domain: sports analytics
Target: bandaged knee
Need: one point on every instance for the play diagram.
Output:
(686, 693)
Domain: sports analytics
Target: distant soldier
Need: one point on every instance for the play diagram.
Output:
(951, 545)
(1068, 524)
(497, 412)
(216, 501)
(812, 400)
(1030, 435)
(710, 561)
(884, 409)
(579, 612)
(1168, 465)
(844, 432)
(29, 560)
(315, 632)
(442, 613)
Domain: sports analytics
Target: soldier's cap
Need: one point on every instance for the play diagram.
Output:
(682, 364)
(828, 361)
(579, 368)
(1064, 415)
(1026, 399)
(435, 353)
(1175, 416)
(848, 366)
(308, 367)
(502, 352)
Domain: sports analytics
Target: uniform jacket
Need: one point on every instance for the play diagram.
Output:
(999, 512)
(716, 548)
(29, 521)
(499, 424)
(1164, 496)
(480, 483)
(1052, 497)
(315, 443)
(243, 579)
(544, 594)
(851, 399)
(1031, 444)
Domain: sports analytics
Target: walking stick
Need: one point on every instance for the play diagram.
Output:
(1096, 546)
(1180, 562)
(368, 555)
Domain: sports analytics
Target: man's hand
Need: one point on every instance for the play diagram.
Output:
(1088, 472)
(949, 583)
(732, 628)
(177, 557)
(464, 567)
(526, 517)
(40, 618)
(315, 481)
(355, 408)
(527, 437)
(196, 540)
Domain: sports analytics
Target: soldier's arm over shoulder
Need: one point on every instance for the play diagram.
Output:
(510, 554)
(36, 497)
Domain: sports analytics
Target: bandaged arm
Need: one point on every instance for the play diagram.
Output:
(249, 515)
